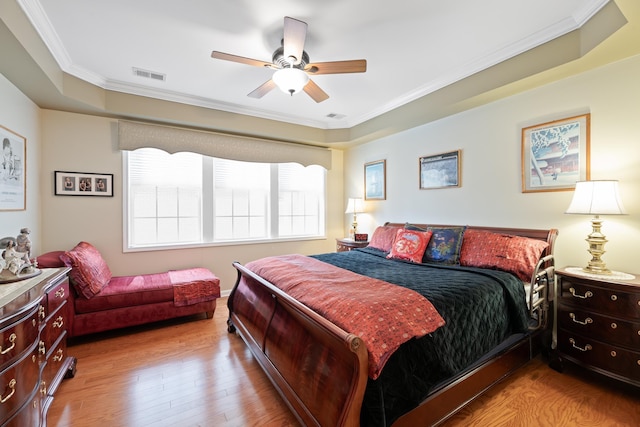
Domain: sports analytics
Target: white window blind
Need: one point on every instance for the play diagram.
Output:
(191, 199)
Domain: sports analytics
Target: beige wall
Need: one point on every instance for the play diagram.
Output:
(82, 143)
(22, 116)
(489, 138)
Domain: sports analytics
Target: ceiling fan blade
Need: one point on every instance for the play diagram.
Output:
(314, 91)
(337, 67)
(263, 89)
(295, 33)
(240, 59)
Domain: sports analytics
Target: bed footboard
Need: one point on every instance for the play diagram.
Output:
(306, 357)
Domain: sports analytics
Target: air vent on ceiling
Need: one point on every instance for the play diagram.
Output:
(336, 116)
(149, 74)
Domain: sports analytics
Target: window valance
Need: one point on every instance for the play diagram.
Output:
(132, 135)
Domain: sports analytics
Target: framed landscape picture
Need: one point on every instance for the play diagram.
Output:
(556, 154)
(440, 170)
(375, 176)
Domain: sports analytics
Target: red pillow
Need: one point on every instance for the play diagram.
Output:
(514, 254)
(409, 245)
(89, 271)
(383, 237)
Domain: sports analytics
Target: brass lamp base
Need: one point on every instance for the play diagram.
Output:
(596, 242)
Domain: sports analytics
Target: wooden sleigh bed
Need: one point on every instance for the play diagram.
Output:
(324, 372)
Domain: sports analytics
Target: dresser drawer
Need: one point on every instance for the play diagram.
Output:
(57, 295)
(56, 356)
(56, 324)
(604, 328)
(600, 299)
(599, 355)
(16, 338)
(18, 383)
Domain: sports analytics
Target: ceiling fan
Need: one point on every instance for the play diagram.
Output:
(293, 66)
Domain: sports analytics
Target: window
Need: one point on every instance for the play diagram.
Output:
(191, 199)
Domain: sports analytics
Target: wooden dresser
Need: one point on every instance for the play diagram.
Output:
(33, 338)
(346, 244)
(599, 324)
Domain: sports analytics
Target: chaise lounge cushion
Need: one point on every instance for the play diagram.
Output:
(89, 271)
(128, 291)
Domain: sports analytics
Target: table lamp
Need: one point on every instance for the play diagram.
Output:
(354, 206)
(596, 198)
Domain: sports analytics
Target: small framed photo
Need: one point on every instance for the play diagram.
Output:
(440, 170)
(375, 177)
(83, 184)
(555, 155)
(13, 171)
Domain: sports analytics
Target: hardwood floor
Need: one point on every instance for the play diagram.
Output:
(191, 372)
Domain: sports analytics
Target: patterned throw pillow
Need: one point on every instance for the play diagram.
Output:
(444, 246)
(383, 238)
(89, 271)
(409, 245)
(514, 254)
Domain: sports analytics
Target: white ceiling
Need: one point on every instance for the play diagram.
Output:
(412, 47)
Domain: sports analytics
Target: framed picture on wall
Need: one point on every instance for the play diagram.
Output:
(375, 177)
(13, 171)
(440, 170)
(556, 154)
(83, 184)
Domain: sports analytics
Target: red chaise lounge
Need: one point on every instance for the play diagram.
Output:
(101, 302)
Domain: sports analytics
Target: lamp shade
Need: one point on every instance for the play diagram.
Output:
(354, 206)
(596, 198)
(290, 80)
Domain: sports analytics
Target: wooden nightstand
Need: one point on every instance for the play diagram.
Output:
(345, 244)
(599, 324)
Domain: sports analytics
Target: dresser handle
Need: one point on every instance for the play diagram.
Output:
(60, 293)
(587, 294)
(12, 339)
(41, 348)
(58, 323)
(585, 348)
(42, 312)
(586, 321)
(58, 356)
(12, 386)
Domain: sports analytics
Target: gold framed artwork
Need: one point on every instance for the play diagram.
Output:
(556, 154)
(375, 180)
(13, 171)
(440, 170)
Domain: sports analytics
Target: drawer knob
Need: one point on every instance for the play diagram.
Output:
(12, 386)
(58, 323)
(580, 322)
(12, 339)
(60, 293)
(585, 348)
(614, 297)
(614, 325)
(586, 295)
(613, 353)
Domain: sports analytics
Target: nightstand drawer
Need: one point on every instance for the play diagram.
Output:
(604, 328)
(599, 299)
(600, 356)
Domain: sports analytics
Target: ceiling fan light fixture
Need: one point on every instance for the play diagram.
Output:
(290, 80)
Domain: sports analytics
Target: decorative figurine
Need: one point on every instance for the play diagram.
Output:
(23, 242)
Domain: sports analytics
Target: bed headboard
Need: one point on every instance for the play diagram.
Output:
(548, 235)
